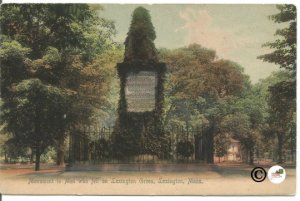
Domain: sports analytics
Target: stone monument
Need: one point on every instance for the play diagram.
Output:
(138, 129)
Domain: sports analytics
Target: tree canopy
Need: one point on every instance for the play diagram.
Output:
(286, 46)
(51, 52)
(200, 88)
(58, 75)
(282, 97)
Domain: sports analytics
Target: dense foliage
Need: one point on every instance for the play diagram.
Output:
(58, 75)
(52, 52)
(286, 45)
(282, 97)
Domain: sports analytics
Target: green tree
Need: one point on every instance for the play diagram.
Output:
(283, 94)
(285, 47)
(282, 102)
(258, 99)
(102, 86)
(291, 138)
(13, 66)
(199, 87)
(38, 118)
(246, 119)
(239, 126)
(221, 145)
(54, 43)
(185, 149)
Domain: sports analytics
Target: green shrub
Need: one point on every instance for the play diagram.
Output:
(185, 148)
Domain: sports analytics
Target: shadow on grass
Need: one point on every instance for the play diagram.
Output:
(231, 171)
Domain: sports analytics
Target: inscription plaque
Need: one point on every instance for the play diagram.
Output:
(140, 91)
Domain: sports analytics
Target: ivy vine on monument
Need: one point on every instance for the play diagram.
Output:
(137, 133)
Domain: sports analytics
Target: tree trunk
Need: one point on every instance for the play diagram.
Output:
(204, 148)
(257, 153)
(292, 154)
(5, 157)
(251, 156)
(37, 159)
(210, 142)
(210, 151)
(31, 156)
(279, 150)
(60, 156)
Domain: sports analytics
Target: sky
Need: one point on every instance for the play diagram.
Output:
(236, 32)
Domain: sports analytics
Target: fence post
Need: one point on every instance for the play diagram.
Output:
(71, 149)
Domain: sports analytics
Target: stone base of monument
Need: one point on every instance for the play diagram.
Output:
(189, 167)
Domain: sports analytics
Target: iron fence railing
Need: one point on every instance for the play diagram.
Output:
(93, 144)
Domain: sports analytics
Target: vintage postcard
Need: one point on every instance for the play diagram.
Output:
(162, 99)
